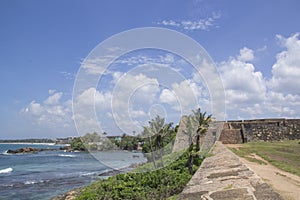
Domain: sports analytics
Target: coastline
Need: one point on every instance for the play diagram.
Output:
(44, 175)
(73, 193)
(31, 143)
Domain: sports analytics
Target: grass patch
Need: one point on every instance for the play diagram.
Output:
(246, 153)
(175, 197)
(228, 187)
(282, 154)
(163, 183)
(251, 159)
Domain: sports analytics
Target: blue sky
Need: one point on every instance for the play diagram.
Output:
(254, 44)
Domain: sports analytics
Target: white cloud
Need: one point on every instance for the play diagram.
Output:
(54, 98)
(137, 113)
(243, 84)
(281, 105)
(33, 108)
(201, 24)
(167, 96)
(93, 97)
(250, 95)
(182, 96)
(51, 91)
(139, 86)
(143, 59)
(67, 75)
(246, 55)
(97, 66)
(286, 70)
(170, 23)
(88, 108)
(51, 113)
(132, 90)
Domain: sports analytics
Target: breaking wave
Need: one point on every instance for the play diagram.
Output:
(6, 170)
(66, 155)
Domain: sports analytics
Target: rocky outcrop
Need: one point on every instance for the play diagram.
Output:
(27, 150)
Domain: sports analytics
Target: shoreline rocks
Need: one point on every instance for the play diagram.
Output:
(28, 150)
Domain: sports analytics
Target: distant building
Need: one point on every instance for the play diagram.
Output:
(66, 140)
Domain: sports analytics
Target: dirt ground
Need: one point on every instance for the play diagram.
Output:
(287, 184)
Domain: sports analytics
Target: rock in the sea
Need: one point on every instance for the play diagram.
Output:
(23, 150)
(28, 150)
(69, 149)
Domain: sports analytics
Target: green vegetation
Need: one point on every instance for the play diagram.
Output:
(173, 197)
(78, 145)
(202, 124)
(91, 142)
(158, 184)
(200, 121)
(228, 187)
(127, 142)
(282, 154)
(158, 135)
(166, 174)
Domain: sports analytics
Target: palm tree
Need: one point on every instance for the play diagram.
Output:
(190, 132)
(202, 124)
(147, 131)
(160, 130)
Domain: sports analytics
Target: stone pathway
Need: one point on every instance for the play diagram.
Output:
(223, 176)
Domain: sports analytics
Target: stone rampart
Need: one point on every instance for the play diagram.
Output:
(242, 131)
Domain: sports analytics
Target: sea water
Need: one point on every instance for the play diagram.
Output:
(47, 174)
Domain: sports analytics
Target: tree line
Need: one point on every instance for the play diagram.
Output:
(156, 139)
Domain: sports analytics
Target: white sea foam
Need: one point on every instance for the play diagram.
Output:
(66, 155)
(29, 182)
(6, 170)
(4, 153)
(88, 173)
(33, 182)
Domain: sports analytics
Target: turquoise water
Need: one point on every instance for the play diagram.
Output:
(46, 174)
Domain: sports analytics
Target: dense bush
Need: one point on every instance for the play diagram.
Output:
(158, 184)
(78, 145)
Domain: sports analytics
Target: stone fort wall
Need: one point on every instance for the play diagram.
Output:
(235, 132)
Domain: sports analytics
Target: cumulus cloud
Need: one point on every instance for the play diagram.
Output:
(86, 105)
(139, 86)
(51, 112)
(243, 84)
(132, 90)
(54, 98)
(182, 96)
(93, 97)
(249, 94)
(128, 97)
(246, 55)
(167, 96)
(33, 108)
(286, 70)
(137, 113)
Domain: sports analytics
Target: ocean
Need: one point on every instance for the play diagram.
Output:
(49, 173)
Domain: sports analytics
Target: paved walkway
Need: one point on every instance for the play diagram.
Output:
(224, 177)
